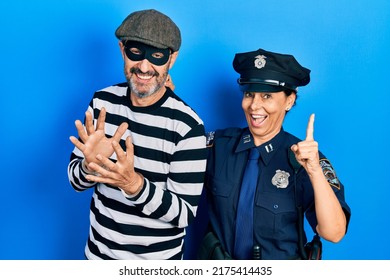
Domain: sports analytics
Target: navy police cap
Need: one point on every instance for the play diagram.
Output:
(264, 71)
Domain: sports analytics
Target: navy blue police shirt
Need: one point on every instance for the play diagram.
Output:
(275, 213)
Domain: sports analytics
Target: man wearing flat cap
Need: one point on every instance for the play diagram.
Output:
(261, 180)
(142, 149)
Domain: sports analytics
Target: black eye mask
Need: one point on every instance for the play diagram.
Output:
(137, 51)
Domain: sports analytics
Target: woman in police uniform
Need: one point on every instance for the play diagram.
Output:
(291, 177)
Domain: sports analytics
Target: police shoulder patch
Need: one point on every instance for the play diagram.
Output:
(210, 138)
(330, 173)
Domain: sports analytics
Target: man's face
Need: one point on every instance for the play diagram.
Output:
(146, 69)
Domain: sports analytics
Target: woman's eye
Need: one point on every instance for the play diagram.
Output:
(266, 96)
(248, 94)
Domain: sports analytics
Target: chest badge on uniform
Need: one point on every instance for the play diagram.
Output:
(280, 179)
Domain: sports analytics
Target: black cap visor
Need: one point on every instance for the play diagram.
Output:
(260, 85)
(260, 88)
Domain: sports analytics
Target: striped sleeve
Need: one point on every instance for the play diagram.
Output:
(177, 204)
(76, 172)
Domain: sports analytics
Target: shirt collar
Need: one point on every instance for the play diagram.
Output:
(246, 141)
(267, 150)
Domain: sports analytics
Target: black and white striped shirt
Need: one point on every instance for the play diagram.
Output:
(170, 152)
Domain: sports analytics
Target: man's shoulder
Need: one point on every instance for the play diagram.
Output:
(117, 89)
(180, 109)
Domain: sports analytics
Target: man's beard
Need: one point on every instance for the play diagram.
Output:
(151, 89)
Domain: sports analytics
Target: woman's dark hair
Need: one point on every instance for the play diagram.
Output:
(288, 92)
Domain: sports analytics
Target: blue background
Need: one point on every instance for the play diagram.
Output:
(55, 54)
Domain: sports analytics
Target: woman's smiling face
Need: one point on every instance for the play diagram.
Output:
(265, 112)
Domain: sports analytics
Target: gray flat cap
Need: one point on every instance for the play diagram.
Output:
(152, 28)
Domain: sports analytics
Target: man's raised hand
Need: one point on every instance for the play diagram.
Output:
(94, 141)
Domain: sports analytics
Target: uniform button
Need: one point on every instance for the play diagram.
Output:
(276, 206)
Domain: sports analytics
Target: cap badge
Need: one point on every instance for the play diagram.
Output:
(280, 179)
(260, 61)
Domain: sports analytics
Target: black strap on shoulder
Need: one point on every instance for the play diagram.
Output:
(315, 246)
(298, 204)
